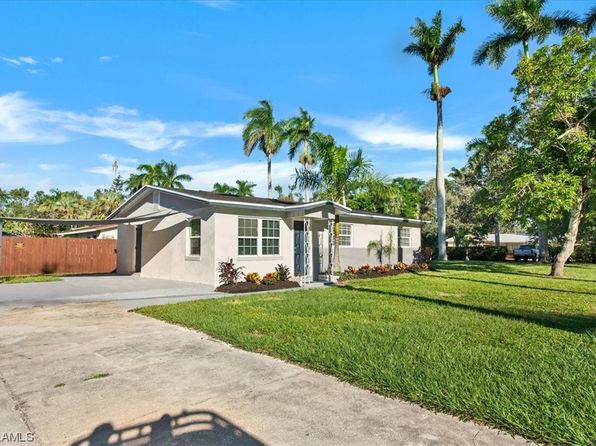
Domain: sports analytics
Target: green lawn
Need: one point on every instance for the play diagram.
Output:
(501, 343)
(29, 278)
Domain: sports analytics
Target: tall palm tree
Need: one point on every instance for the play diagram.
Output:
(435, 48)
(339, 174)
(169, 176)
(522, 21)
(263, 132)
(300, 133)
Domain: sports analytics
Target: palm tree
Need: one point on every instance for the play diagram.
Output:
(266, 134)
(162, 174)
(339, 174)
(224, 188)
(244, 188)
(522, 21)
(589, 22)
(300, 133)
(382, 249)
(169, 176)
(435, 48)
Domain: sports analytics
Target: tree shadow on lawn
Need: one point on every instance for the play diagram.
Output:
(490, 282)
(503, 268)
(572, 323)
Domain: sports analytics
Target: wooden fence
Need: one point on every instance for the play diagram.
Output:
(39, 255)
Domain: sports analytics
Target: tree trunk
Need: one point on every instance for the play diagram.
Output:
(305, 170)
(543, 246)
(558, 268)
(336, 261)
(269, 182)
(497, 232)
(440, 184)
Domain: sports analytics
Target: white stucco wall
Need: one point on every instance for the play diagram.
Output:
(125, 249)
(226, 241)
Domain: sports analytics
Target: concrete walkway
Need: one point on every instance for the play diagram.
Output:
(95, 374)
(128, 291)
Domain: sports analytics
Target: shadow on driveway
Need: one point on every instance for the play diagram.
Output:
(185, 428)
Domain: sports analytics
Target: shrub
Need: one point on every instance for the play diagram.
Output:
(495, 253)
(229, 274)
(269, 279)
(283, 272)
(424, 266)
(351, 270)
(364, 269)
(400, 266)
(382, 268)
(253, 278)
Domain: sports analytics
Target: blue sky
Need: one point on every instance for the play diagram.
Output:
(85, 83)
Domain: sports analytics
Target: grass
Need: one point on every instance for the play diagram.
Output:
(29, 278)
(97, 376)
(499, 343)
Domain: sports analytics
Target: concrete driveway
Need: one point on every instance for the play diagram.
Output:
(128, 291)
(94, 374)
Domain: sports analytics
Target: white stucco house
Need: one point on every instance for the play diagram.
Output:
(182, 234)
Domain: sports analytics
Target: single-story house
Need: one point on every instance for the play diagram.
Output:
(98, 232)
(183, 234)
(510, 240)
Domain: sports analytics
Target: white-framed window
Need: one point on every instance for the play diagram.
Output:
(248, 236)
(156, 199)
(404, 237)
(194, 237)
(258, 236)
(270, 237)
(345, 234)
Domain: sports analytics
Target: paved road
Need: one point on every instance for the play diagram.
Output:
(128, 291)
(85, 373)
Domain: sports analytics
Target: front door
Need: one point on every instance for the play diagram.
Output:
(298, 248)
(138, 246)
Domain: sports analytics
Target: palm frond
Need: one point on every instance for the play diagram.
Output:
(589, 22)
(494, 50)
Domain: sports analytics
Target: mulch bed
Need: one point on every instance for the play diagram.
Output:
(249, 287)
(374, 274)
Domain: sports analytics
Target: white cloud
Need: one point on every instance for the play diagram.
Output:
(11, 61)
(24, 120)
(111, 158)
(3, 165)
(104, 59)
(389, 133)
(32, 71)
(118, 110)
(217, 4)
(47, 167)
(205, 175)
(28, 60)
(57, 59)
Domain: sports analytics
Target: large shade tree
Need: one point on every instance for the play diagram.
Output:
(555, 165)
(264, 133)
(435, 48)
(522, 22)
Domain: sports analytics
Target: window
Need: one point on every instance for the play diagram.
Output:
(270, 240)
(404, 237)
(194, 237)
(248, 236)
(345, 234)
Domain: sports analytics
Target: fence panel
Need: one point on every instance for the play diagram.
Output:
(41, 255)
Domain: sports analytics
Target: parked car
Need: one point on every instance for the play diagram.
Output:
(526, 252)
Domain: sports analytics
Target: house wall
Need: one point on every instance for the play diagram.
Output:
(125, 249)
(362, 234)
(226, 241)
